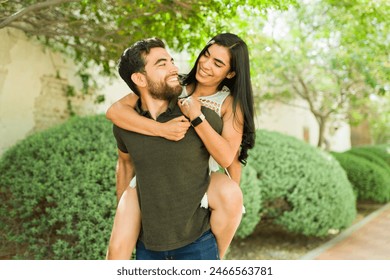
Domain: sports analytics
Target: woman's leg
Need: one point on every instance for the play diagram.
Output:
(225, 201)
(126, 227)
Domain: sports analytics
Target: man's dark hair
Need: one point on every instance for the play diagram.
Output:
(133, 60)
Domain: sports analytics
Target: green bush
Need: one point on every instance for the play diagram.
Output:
(250, 186)
(377, 151)
(302, 188)
(370, 180)
(57, 190)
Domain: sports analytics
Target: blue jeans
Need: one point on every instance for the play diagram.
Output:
(204, 248)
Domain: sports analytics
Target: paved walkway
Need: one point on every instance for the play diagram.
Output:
(369, 239)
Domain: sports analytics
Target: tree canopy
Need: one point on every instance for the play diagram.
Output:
(100, 30)
(332, 54)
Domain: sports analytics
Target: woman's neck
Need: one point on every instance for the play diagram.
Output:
(201, 90)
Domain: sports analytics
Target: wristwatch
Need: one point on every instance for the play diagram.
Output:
(198, 120)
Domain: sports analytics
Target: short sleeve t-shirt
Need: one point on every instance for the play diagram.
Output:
(172, 177)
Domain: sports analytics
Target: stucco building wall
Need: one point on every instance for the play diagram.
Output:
(295, 119)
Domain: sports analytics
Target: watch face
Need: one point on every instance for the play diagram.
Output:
(196, 121)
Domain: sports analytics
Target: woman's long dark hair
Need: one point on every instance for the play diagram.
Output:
(240, 85)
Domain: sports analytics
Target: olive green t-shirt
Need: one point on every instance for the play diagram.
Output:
(172, 177)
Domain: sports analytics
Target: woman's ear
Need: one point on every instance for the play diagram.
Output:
(139, 79)
(230, 74)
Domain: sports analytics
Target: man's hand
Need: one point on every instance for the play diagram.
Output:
(175, 129)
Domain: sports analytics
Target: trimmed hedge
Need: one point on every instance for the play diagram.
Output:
(57, 190)
(371, 181)
(303, 189)
(58, 198)
(378, 151)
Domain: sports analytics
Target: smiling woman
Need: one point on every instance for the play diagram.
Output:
(214, 66)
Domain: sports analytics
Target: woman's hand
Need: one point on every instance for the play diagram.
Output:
(190, 107)
(174, 129)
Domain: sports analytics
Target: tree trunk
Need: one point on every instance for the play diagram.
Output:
(322, 143)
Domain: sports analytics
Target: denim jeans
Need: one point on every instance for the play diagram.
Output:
(204, 248)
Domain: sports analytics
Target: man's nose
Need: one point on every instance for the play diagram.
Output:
(174, 69)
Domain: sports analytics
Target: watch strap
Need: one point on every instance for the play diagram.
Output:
(198, 120)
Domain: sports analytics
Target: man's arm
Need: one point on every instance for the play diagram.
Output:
(123, 114)
(124, 173)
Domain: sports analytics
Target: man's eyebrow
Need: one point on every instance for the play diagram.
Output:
(159, 60)
(162, 59)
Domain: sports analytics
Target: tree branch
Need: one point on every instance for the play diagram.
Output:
(35, 7)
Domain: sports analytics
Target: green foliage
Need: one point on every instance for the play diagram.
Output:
(382, 151)
(375, 154)
(250, 186)
(379, 119)
(58, 191)
(371, 181)
(333, 55)
(302, 188)
(99, 31)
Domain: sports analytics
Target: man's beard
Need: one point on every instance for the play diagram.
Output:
(163, 91)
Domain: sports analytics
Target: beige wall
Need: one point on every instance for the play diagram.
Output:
(33, 83)
(295, 119)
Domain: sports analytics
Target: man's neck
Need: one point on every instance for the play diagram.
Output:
(155, 107)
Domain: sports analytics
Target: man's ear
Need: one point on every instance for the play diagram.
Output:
(230, 74)
(139, 79)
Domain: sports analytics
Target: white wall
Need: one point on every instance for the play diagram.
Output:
(295, 119)
(32, 87)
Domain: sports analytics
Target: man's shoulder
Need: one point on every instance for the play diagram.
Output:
(116, 128)
(118, 131)
(213, 118)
